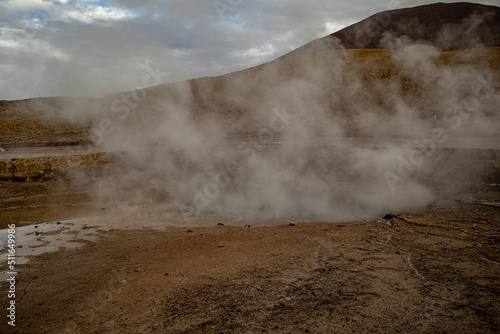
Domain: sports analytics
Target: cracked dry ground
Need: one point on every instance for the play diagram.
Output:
(431, 271)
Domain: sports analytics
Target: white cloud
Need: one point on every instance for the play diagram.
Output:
(84, 11)
(31, 6)
(9, 44)
(91, 12)
(334, 26)
(180, 53)
(262, 50)
(22, 4)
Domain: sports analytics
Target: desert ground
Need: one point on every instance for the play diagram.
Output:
(433, 270)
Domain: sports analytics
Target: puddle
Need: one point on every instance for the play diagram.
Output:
(34, 240)
(43, 238)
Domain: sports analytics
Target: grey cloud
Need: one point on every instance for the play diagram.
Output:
(186, 38)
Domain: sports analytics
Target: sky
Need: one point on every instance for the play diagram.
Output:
(95, 47)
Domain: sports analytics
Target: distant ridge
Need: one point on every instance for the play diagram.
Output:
(235, 99)
(447, 26)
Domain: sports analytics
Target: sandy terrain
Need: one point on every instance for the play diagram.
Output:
(431, 271)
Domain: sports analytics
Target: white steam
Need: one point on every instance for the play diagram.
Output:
(326, 134)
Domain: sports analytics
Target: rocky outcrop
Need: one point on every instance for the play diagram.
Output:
(44, 168)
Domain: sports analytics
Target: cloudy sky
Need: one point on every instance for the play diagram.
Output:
(95, 47)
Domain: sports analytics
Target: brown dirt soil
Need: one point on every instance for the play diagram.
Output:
(31, 131)
(29, 203)
(429, 271)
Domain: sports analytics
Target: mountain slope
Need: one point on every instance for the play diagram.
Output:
(446, 26)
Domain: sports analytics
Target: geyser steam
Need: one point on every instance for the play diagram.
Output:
(328, 134)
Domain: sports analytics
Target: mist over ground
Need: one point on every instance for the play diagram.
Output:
(317, 135)
(321, 133)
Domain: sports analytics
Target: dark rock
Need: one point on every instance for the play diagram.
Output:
(6, 176)
(20, 177)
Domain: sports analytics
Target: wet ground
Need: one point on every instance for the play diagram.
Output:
(434, 270)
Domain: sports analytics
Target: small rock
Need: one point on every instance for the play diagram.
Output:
(220, 245)
(10, 167)
(291, 224)
(20, 177)
(220, 224)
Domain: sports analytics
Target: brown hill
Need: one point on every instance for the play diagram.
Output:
(447, 26)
